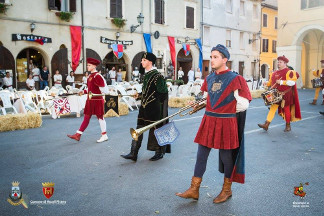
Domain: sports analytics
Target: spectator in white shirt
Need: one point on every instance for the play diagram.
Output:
(36, 74)
(198, 74)
(191, 75)
(7, 82)
(112, 75)
(30, 82)
(57, 79)
(85, 78)
(70, 79)
(180, 73)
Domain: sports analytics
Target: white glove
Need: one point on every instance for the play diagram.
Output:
(242, 103)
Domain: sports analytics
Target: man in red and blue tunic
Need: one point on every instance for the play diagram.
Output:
(94, 106)
(222, 126)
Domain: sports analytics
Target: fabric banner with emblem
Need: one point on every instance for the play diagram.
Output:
(166, 134)
(62, 106)
(118, 50)
(186, 48)
(111, 102)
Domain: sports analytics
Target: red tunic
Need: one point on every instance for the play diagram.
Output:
(221, 132)
(95, 106)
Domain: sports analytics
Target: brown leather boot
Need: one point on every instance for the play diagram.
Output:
(313, 103)
(226, 192)
(288, 128)
(75, 136)
(265, 126)
(193, 191)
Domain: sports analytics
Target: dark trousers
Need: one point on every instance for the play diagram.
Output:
(152, 143)
(226, 156)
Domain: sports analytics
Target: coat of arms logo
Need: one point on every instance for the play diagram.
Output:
(48, 189)
(16, 197)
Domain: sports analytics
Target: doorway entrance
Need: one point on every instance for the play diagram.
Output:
(111, 61)
(185, 62)
(25, 61)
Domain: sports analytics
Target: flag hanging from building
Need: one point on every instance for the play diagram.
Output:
(198, 41)
(76, 40)
(118, 50)
(172, 50)
(186, 48)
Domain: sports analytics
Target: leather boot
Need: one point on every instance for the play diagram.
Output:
(288, 128)
(75, 136)
(314, 102)
(322, 113)
(193, 191)
(134, 151)
(226, 192)
(322, 102)
(158, 154)
(265, 126)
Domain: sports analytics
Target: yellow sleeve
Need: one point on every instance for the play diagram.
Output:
(290, 75)
(269, 82)
(316, 73)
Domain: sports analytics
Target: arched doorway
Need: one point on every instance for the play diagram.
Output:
(137, 60)
(312, 52)
(264, 71)
(60, 62)
(185, 62)
(111, 60)
(7, 63)
(25, 61)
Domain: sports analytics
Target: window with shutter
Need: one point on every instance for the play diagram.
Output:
(274, 46)
(265, 45)
(116, 9)
(159, 11)
(72, 5)
(51, 5)
(265, 20)
(190, 17)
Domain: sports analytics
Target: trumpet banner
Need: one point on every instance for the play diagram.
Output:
(166, 134)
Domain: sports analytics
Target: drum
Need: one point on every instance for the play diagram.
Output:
(317, 82)
(272, 96)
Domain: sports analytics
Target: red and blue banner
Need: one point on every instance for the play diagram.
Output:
(186, 48)
(118, 50)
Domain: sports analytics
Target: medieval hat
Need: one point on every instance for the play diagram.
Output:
(93, 61)
(222, 49)
(283, 58)
(149, 56)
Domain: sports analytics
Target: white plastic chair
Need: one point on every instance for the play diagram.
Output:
(7, 105)
(27, 98)
(127, 99)
(44, 101)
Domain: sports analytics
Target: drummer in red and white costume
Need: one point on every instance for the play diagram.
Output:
(95, 105)
(284, 80)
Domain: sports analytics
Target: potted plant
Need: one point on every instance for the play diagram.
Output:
(65, 16)
(3, 8)
(119, 22)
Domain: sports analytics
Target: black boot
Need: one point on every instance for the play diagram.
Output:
(158, 154)
(134, 151)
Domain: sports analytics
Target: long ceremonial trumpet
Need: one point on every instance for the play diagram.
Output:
(198, 105)
(95, 95)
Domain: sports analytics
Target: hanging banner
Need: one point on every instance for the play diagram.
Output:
(118, 50)
(186, 48)
(166, 134)
(172, 50)
(198, 41)
(147, 39)
(36, 38)
(76, 41)
(111, 102)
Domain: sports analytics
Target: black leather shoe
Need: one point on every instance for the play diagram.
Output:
(134, 151)
(321, 113)
(130, 156)
(156, 157)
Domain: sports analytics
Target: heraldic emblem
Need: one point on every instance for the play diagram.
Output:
(16, 196)
(48, 189)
